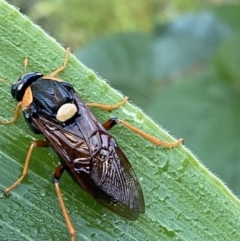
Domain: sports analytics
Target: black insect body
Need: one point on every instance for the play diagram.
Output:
(85, 148)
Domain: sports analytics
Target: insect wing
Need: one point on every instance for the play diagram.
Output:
(114, 175)
(94, 159)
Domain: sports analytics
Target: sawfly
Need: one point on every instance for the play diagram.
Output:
(86, 150)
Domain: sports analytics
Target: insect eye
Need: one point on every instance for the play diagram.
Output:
(19, 88)
(13, 91)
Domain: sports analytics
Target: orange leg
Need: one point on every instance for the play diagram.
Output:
(25, 170)
(15, 117)
(60, 69)
(57, 174)
(108, 107)
(112, 122)
(65, 213)
(152, 139)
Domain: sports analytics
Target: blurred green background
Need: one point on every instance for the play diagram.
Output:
(177, 60)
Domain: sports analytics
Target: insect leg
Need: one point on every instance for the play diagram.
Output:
(15, 117)
(34, 144)
(108, 107)
(57, 174)
(110, 123)
(61, 68)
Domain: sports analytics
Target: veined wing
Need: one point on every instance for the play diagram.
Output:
(91, 155)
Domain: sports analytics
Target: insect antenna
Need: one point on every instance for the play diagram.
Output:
(6, 81)
(25, 64)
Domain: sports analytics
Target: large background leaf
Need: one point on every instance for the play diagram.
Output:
(183, 200)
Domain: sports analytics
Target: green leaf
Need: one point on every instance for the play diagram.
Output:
(184, 201)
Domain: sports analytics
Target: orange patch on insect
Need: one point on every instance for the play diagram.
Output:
(27, 98)
(66, 112)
